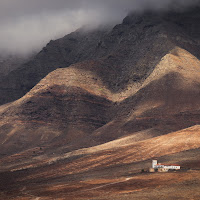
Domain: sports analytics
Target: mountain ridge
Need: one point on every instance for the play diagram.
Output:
(124, 46)
(73, 102)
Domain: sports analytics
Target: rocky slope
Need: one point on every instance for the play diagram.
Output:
(132, 48)
(75, 108)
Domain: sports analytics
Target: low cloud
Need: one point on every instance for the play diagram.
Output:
(28, 25)
(29, 34)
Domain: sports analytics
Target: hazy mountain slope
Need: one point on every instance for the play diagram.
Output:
(60, 53)
(11, 62)
(132, 49)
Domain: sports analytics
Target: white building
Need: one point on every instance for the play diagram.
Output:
(166, 167)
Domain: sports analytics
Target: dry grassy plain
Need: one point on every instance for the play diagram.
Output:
(114, 173)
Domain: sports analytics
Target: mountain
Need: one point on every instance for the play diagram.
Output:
(126, 47)
(95, 107)
(60, 53)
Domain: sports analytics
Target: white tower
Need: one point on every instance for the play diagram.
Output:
(154, 163)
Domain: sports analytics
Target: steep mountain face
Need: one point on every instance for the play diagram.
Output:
(132, 48)
(107, 107)
(73, 48)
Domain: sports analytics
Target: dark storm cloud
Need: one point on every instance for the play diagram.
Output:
(27, 25)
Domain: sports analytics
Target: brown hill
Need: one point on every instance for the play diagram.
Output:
(168, 100)
(73, 107)
(105, 172)
(80, 111)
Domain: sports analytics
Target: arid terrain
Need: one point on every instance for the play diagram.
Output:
(108, 171)
(89, 125)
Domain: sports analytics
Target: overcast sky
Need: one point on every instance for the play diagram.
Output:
(27, 25)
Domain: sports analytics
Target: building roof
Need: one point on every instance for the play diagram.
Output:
(168, 164)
